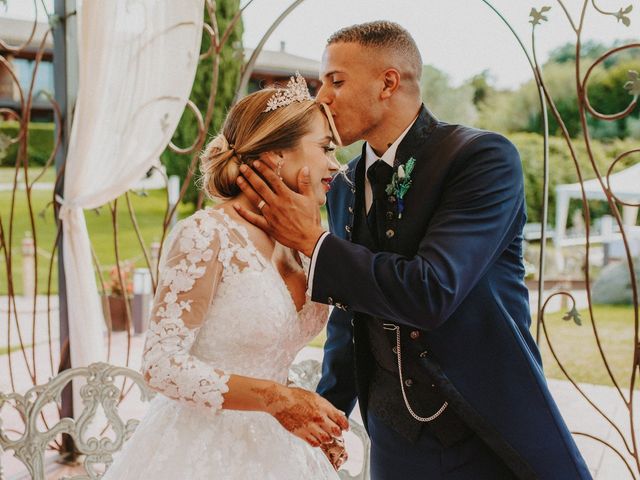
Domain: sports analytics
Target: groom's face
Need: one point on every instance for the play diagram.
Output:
(351, 85)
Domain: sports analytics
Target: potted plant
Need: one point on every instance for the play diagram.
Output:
(115, 302)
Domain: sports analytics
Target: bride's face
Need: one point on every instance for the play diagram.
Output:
(316, 150)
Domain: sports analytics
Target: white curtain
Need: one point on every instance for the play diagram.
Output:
(137, 63)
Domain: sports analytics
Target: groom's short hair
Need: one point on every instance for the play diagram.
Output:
(382, 34)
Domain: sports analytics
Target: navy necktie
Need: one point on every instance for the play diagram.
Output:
(379, 175)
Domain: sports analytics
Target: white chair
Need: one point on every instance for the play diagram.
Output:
(100, 394)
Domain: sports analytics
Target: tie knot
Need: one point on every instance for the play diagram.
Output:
(379, 174)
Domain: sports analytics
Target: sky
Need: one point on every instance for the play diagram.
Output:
(460, 37)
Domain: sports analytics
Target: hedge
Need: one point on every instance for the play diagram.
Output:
(41, 141)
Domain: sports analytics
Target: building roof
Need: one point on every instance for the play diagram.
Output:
(283, 63)
(623, 184)
(270, 62)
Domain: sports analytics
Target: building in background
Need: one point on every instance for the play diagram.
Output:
(272, 67)
(15, 33)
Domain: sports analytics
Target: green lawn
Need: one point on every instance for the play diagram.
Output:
(149, 211)
(576, 347)
(7, 175)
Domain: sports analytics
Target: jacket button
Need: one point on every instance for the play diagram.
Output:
(347, 228)
(330, 301)
(408, 382)
(414, 335)
(424, 354)
(390, 233)
(389, 215)
(352, 322)
(395, 350)
(350, 209)
(353, 190)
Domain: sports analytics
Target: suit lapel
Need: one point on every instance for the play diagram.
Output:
(413, 145)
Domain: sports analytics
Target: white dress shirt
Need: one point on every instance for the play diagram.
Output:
(370, 158)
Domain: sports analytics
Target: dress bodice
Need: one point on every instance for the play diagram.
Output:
(221, 308)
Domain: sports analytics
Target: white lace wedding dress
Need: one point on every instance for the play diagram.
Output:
(221, 308)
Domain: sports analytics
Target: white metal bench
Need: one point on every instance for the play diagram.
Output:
(101, 393)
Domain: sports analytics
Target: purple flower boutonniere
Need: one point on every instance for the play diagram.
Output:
(400, 183)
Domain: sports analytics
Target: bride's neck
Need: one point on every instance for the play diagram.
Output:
(242, 200)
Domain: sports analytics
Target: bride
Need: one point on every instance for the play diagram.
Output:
(230, 314)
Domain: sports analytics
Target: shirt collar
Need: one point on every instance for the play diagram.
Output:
(389, 156)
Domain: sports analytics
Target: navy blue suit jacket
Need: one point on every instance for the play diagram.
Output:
(459, 278)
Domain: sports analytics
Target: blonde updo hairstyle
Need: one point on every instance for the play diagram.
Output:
(249, 131)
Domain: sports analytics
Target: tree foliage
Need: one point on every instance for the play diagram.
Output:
(519, 110)
(231, 60)
(448, 103)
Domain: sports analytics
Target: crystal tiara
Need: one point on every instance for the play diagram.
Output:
(295, 91)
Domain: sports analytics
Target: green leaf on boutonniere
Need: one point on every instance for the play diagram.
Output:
(400, 183)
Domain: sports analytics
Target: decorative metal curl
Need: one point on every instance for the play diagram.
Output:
(610, 172)
(22, 46)
(99, 390)
(201, 132)
(584, 85)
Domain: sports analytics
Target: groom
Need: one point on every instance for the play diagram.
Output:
(430, 329)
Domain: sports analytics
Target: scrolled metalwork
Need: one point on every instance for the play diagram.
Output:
(309, 373)
(100, 390)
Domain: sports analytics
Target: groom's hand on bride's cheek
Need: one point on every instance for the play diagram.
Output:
(291, 218)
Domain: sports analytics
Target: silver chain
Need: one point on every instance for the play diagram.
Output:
(391, 326)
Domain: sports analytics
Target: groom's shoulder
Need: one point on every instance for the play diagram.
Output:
(464, 134)
(465, 139)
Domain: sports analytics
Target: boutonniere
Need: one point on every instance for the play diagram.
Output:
(400, 183)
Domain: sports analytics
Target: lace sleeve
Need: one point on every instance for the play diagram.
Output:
(189, 275)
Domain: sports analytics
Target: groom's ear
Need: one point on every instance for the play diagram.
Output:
(391, 78)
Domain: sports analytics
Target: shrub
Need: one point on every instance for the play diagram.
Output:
(39, 147)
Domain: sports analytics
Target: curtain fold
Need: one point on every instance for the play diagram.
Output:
(137, 64)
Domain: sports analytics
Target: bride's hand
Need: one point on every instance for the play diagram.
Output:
(335, 452)
(305, 414)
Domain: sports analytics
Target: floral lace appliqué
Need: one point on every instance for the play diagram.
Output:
(169, 366)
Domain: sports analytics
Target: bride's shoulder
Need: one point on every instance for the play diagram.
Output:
(208, 222)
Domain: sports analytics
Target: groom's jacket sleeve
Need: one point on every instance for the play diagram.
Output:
(338, 383)
(480, 211)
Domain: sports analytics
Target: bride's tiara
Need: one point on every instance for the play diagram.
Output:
(295, 91)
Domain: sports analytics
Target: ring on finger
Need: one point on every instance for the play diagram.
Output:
(261, 204)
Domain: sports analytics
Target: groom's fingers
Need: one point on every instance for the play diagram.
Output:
(250, 193)
(275, 182)
(255, 183)
(258, 220)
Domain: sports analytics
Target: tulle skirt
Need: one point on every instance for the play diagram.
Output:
(178, 441)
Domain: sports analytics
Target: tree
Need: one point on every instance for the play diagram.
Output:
(482, 87)
(567, 53)
(451, 104)
(607, 95)
(231, 60)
